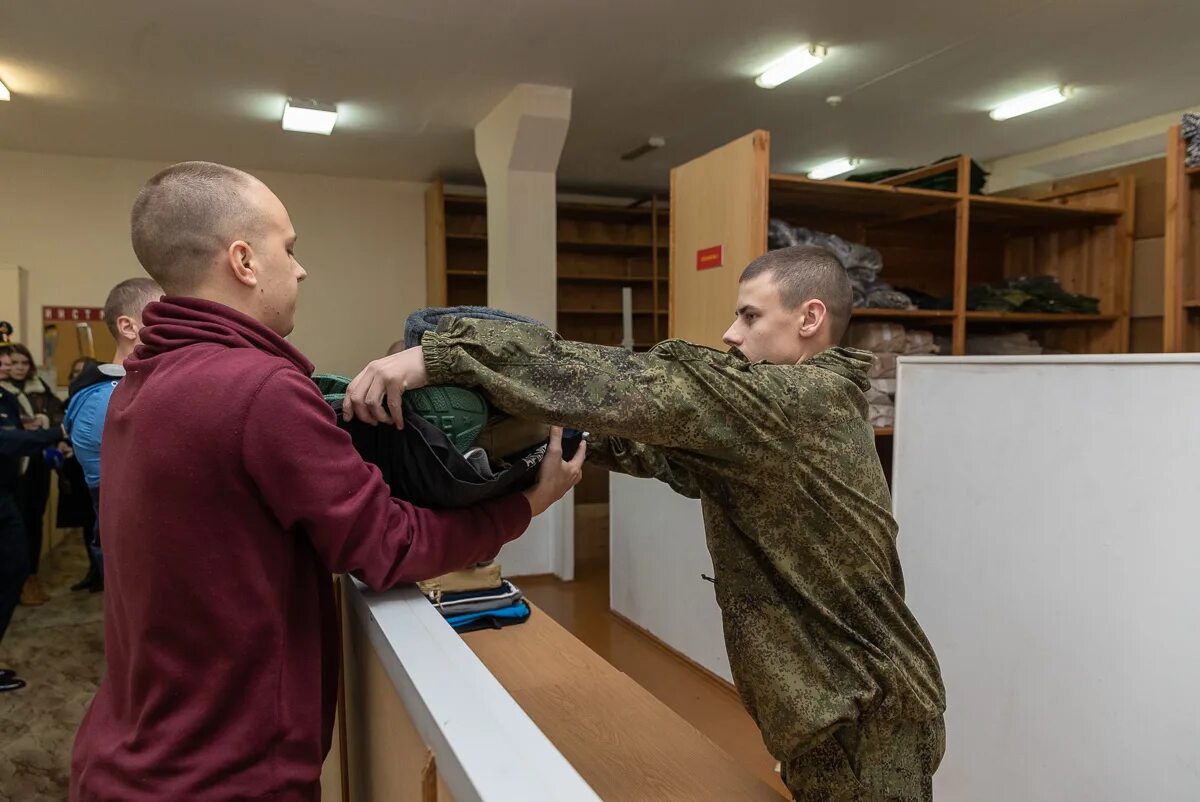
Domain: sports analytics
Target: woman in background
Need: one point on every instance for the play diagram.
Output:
(41, 408)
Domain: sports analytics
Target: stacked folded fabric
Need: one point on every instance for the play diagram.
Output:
(476, 598)
(1191, 135)
(888, 341)
(862, 263)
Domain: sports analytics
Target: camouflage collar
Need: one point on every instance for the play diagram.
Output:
(850, 363)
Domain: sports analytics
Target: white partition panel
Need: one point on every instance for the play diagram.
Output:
(1049, 538)
(657, 554)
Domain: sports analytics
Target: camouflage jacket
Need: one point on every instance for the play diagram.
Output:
(796, 507)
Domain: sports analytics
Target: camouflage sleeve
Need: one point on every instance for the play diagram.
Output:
(647, 462)
(677, 395)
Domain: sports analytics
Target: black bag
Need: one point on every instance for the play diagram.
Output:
(422, 466)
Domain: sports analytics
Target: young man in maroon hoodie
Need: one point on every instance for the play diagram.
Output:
(230, 495)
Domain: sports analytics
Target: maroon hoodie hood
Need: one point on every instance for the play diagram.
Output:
(229, 496)
(174, 323)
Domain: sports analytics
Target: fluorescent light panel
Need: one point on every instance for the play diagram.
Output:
(309, 118)
(4, 93)
(835, 167)
(1034, 101)
(790, 65)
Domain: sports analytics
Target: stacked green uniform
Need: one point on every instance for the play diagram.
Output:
(826, 655)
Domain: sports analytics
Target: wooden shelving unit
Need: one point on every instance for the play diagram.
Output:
(1181, 310)
(601, 249)
(940, 243)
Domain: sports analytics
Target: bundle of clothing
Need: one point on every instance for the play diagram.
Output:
(476, 598)
(1191, 136)
(1030, 294)
(454, 450)
(862, 263)
(1013, 343)
(888, 342)
(944, 182)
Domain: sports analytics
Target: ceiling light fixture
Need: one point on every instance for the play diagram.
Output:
(4, 93)
(1034, 101)
(800, 60)
(832, 168)
(309, 117)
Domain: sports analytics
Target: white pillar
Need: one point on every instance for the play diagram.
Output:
(518, 146)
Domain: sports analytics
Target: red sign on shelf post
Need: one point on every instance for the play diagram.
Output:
(707, 258)
(53, 314)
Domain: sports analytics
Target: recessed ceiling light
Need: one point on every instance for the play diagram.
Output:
(790, 65)
(832, 168)
(309, 117)
(1031, 102)
(4, 93)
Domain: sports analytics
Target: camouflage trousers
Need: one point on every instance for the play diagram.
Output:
(875, 762)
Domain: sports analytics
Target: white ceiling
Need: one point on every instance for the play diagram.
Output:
(173, 80)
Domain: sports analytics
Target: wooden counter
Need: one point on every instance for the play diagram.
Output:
(523, 714)
(623, 741)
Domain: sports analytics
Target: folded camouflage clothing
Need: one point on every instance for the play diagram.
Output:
(1030, 294)
(424, 462)
(1191, 136)
(944, 182)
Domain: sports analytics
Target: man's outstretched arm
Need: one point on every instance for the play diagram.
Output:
(679, 395)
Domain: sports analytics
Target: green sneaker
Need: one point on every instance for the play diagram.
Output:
(458, 413)
(461, 414)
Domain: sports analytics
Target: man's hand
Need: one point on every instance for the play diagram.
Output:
(555, 475)
(386, 378)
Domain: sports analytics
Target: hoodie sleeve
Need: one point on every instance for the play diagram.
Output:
(18, 443)
(678, 395)
(317, 484)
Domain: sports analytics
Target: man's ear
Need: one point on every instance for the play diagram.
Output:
(813, 314)
(127, 327)
(241, 263)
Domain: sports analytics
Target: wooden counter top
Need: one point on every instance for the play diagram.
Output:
(625, 743)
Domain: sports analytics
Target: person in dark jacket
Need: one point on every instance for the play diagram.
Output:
(16, 443)
(42, 409)
(75, 508)
(230, 495)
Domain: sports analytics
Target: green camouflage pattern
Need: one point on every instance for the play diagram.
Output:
(796, 507)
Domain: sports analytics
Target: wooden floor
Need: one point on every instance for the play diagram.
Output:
(581, 607)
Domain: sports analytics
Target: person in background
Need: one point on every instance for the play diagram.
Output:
(16, 445)
(230, 496)
(42, 409)
(75, 507)
(92, 389)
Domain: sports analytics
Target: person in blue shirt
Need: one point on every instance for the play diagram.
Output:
(91, 391)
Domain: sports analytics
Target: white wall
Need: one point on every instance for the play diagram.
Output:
(65, 219)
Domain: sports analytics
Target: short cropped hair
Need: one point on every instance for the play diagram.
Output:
(129, 298)
(805, 272)
(185, 216)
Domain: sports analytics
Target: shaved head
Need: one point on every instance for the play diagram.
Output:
(805, 272)
(128, 299)
(189, 214)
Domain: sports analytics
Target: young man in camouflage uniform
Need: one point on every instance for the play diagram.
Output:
(773, 438)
